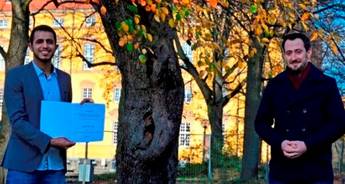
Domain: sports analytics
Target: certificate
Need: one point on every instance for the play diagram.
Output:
(76, 122)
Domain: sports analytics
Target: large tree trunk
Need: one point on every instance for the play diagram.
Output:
(251, 140)
(15, 56)
(152, 93)
(155, 96)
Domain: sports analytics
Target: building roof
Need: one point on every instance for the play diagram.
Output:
(5, 5)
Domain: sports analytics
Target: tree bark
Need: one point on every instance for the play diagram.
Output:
(15, 56)
(215, 115)
(251, 141)
(151, 104)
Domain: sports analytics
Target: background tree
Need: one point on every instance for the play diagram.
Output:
(14, 56)
(208, 31)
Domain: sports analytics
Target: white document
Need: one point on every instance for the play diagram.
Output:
(78, 123)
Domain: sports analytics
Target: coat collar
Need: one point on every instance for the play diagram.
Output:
(314, 74)
(305, 91)
(36, 83)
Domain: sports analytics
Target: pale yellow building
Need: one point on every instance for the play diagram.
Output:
(78, 30)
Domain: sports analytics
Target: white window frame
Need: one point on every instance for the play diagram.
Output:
(115, 130)
(3, 23)
(184, 139)
(87, 92)
(90, 21)
(89, 52)
(58, 22)
(117, 94)
(57, 57)
(188, 95)
(1, 97)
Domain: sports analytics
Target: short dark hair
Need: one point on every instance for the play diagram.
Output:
(293, 36)
(42, 28)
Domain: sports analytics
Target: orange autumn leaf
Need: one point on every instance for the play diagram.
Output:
(103, 10)
(314, 35)
(213, 3)
(305, 16)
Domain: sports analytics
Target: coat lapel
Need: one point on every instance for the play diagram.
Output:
(62, 87)
(35, 82)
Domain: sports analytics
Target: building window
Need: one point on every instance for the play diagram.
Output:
(184, 139)
(90, 21)
(58, 22)
(117, 94)
(115, 126)
(3, 23)
(187, 49)
(2, 63)
(89, 51)
(188, 95)
(87, 92)
(57, 57)
(27, 57)
(1, 96)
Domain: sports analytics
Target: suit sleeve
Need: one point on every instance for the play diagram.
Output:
(264, 120)
(334, 127)
(16, 111)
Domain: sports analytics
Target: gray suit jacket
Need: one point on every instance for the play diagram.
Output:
(23, 96)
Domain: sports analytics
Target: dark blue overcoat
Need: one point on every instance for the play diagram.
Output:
(314, 113)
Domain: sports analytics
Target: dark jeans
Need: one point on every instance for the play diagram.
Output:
(36, 177)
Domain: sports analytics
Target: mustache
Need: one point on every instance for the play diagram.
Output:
(295, 61)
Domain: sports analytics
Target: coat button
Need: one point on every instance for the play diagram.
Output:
(304, 111)
(303, 129)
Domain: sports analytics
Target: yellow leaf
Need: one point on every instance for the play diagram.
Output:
(302, 6)
(136, 19)
(156, 17)
(124, 26)
(252, 52)
(314, 35)
(165, 10)
(162, 16)
(149, 37)
(305, 27)
(263, 25)
(171, 23)
(265, 40)
(334, 48)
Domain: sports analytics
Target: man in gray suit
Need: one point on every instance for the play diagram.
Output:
(33, 157)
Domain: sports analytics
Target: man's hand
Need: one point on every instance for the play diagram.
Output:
(61, 142)
(293, 149)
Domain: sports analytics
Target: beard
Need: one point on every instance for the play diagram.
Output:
(296, 71)
(43, 60)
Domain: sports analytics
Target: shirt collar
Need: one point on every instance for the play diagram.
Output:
(40, 72)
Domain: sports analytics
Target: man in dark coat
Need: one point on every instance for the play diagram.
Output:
(301, 114)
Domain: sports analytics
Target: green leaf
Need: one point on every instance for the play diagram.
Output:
(129, 47)
(253, 9)
(132, 8)
(118, 25)
(141, 33)
(186, 13)
(178, 16)
(142, 58)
